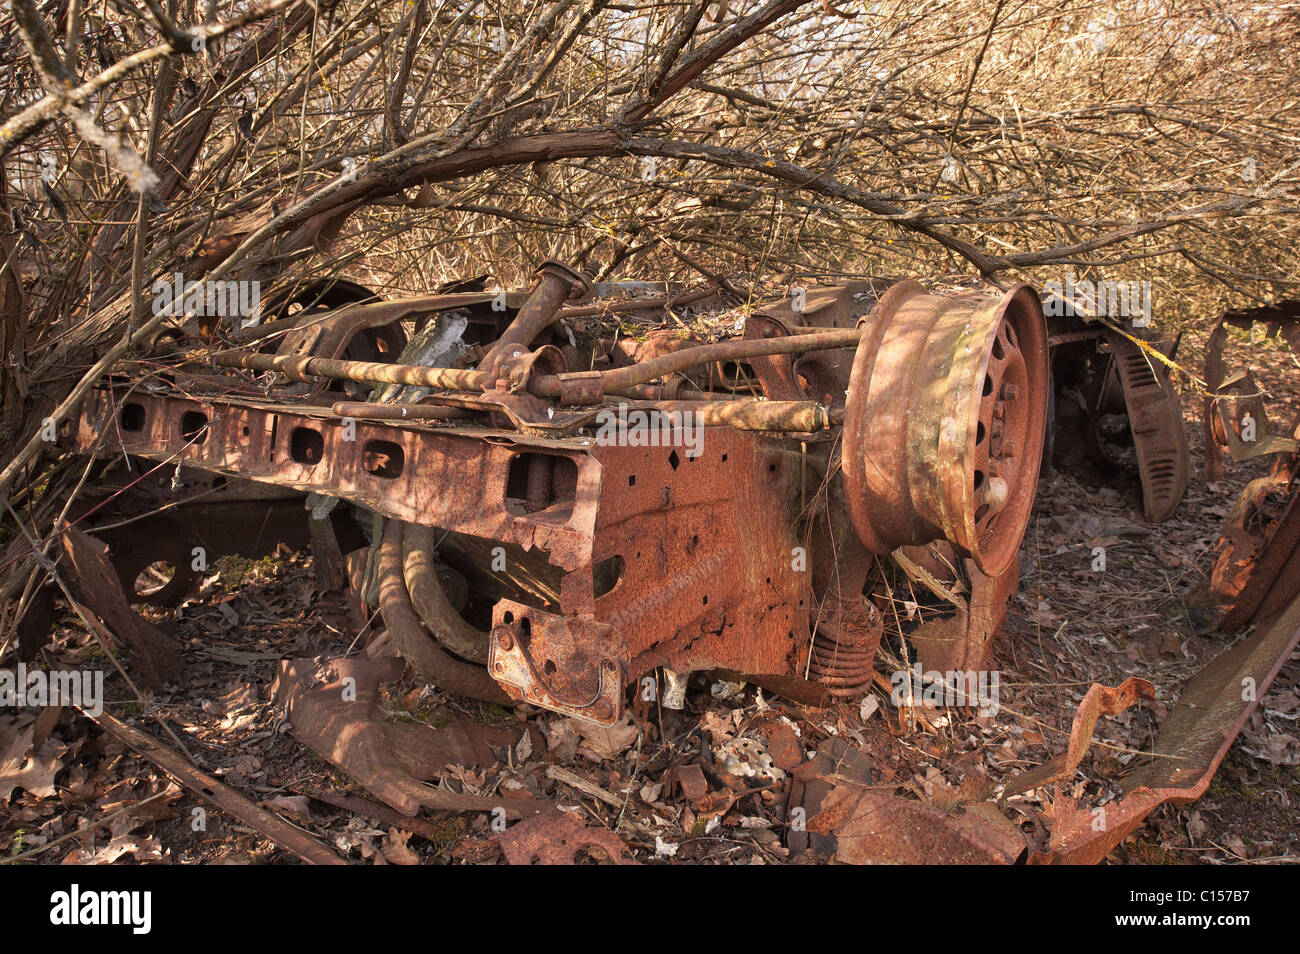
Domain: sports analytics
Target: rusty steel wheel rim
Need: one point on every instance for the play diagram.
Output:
(1003, 429)
(945, 420)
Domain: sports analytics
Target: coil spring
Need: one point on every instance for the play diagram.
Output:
(843, 663)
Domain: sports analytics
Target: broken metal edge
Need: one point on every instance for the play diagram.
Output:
(1194, 739)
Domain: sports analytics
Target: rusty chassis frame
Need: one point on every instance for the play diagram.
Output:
(673, 503)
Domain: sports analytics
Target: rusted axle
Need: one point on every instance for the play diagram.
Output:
(743, 414)
(366, 372)
(548, 385)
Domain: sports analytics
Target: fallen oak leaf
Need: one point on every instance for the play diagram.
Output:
(395, 850)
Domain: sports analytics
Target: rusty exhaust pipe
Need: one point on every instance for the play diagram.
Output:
(415, 645)
(430, 600)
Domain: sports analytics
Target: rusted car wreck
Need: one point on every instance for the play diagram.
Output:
(544, 509)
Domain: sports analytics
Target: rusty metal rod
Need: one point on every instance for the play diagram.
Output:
(400, 412)
(366, 372)
(619, 378)
(745, 414)
(795, 416)
(454, 379)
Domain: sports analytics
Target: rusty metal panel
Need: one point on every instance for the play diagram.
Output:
(1156, 420)
(1193, 741)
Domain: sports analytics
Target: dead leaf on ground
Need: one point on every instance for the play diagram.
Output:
(20, 766)
(394, 848)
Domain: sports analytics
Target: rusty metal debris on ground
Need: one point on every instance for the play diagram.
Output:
(1234, 400)
(1257, 573)
(1195, 737)
(559, 838)
(337, 719)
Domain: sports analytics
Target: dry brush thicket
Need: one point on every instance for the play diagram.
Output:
(402, 144)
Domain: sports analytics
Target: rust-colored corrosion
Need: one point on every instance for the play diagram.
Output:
(1099, 700)
(1257, 571)
(560, 838)
(553, 518)
(338, 720)
(1156, 420)
(1234, 399)
(962, 638)
(878, 828)
(957, 459)
(1099, 370)
(600, 538)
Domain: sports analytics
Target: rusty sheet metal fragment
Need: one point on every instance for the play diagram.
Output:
(1232, 396)
(95, 583)
(1098, 701)
(1257, 571)
(218, 793)
(558, 839)
(1239, 401)
(1193, 741)
(872, 827)
(1155, 416)
(836, 762)
(338, 722)
(963, 639)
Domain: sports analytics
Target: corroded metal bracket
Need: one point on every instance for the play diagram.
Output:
(566, 664)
